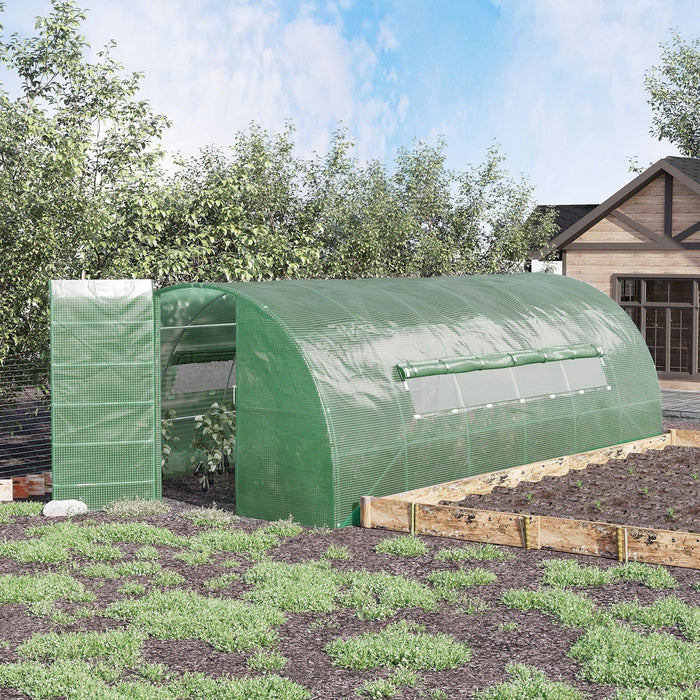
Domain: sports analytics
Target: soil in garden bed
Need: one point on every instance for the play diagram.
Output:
(659, 489)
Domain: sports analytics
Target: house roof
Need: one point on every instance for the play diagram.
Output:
(685, 170)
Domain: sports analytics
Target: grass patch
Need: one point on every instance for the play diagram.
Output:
(132, 588)
(8, 511)
(147, 552)
(379, 595)
(623, 657)
(567, 572)
(444, 581)
(212, 516)
(192, 558)
(79, 680)
(283, 528)
(120, 648)
(478, 552)
(397, 645)
(648, 694)
(473, 606)
(404, 546)
(255, 544)
(43, 588)
(335, 551)
(266, 661)
(228, 625)
(168, 579)
(665, 612)
(389, 687)
(571, 609)
(221, 582)
(121, 570)
(305, 587)
(136, 508)
(529, 683)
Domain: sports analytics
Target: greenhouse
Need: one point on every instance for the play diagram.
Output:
(342, 388)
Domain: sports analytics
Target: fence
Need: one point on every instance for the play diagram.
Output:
(25, 418)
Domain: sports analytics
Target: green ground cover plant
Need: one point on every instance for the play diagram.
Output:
(211, 516)
(529, 683)
(623, 657)
(571, 609)
(136, 508)
(665, 612)
(399, 645)
(479, 552)
(9, 511)
(403, 546)
(567, 572)
(228, 625)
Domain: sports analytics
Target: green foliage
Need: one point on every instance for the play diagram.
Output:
(674, 95)
(168, 578)
(390, 686)
(211, 516)
(8, 511)
(221, 582)
(479, 552)
(213, 441)
(283, 528)
(83, 195)
(623, 657)
(132, 588)
(266, 661)
(529, 683)
(567, 572)
(121, 647)
(665, 612)
(167, 438)
(122, 570)
(473, 606)
(450, 580)
(403, 546)
(571, 609)
(136, 508)
(648, 694)
(398, 645)
(335, 551)
(255, 544)
(228, 625)
(146, 552)
(48, 587)
(79, 153)
(380, 595)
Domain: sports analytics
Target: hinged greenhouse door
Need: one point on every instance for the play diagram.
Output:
(105, 391)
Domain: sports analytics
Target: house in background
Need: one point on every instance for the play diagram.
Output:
(641, 247)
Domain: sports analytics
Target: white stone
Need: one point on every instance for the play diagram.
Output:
(58, 509)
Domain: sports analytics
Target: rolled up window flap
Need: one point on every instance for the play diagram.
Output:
(517, 358)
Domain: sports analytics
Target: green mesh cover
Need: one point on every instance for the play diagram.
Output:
(326, 411)
(105, 393)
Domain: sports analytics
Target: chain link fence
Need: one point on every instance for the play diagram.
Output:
(25, 418)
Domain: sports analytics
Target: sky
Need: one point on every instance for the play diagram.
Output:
(558, 84)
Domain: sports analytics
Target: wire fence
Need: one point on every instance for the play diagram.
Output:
(25, 418)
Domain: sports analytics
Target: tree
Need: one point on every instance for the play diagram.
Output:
(76, 145)
(674, 95)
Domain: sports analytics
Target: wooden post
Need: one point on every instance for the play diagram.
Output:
(366, 511)
(20, 488)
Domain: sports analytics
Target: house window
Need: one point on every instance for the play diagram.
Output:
(665, 309)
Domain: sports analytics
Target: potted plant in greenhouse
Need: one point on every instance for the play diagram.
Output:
(213, 442)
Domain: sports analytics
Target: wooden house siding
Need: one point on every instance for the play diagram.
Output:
(598, 267)
(685, 210)
(647, 206)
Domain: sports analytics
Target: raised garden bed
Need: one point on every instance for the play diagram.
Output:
(568, 505)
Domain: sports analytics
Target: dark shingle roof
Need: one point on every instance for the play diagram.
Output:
(690, 167)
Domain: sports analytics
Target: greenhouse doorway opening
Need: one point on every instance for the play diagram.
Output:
(197, 371)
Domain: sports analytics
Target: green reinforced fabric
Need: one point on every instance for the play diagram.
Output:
(345, 388)
(105, 391)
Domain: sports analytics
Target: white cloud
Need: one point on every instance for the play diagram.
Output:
(574, 103)
(213, 72)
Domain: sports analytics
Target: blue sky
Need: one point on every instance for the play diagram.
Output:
(557, 83)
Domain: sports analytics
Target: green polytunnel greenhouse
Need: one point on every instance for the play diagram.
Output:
(342, 388)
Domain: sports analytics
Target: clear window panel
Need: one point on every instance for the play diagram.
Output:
(655, 336)
(676, 291)
(487, 386)
(539, 379)
(196, 377)
(585, 373)
(680, 340)
(635, 313)
(630, 290)
(433, 394)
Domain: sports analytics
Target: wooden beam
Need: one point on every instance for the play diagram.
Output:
(668, 205)
(410, 512)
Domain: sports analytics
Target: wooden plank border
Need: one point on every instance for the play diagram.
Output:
(419, 512)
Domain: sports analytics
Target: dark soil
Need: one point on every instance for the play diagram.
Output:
(659, 489)
(537, 640)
